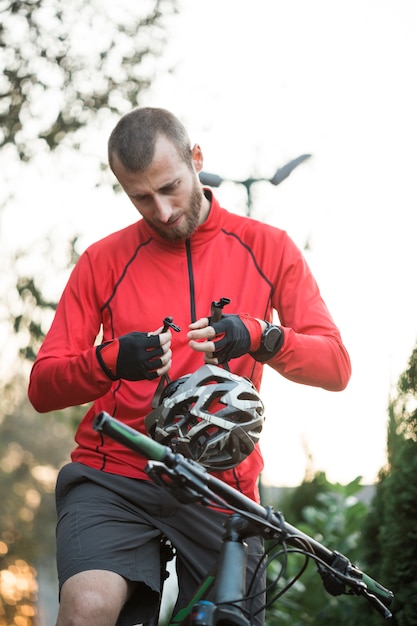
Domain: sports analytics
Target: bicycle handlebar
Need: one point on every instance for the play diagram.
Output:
(195, 483)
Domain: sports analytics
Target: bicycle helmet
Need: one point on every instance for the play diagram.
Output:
(213, 416)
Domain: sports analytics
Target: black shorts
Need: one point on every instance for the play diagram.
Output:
(115, 523)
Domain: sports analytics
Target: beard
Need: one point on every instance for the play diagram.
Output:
(189, 223)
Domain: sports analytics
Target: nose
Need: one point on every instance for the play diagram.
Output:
(162, 208)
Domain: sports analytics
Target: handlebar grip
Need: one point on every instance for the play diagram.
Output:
(131, 438)
(385, 595)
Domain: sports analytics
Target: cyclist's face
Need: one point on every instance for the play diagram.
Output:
(168, 193)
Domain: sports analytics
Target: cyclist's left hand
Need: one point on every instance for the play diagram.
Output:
(229, 338)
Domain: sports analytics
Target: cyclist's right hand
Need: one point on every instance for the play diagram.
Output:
(136, 356)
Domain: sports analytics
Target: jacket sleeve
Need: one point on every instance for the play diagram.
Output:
(66, 371)
(313, 352)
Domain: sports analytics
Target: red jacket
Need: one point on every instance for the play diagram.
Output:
(132, 279)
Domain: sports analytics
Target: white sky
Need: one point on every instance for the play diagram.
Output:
(261, 83)
(258, 84)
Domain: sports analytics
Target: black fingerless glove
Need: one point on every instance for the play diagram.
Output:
(131, 357)
(236, 335)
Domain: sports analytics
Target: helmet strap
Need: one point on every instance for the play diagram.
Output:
(163, 381)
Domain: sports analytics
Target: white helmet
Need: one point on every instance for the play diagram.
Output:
(213, 416)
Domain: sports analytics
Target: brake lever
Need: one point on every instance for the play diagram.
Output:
(376, 603)
(342, 574)
(185, 479)
(169, 479)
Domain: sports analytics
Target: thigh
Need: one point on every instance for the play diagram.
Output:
(99, 530)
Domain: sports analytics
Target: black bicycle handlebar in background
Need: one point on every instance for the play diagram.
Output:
(197, 483)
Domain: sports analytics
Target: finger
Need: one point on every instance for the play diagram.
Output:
(201, 346)
(201, 323)
(153, 353)
(161, 335)
(158, 361)
(166, 357)
(165, 339)
(210, 359)
(159, 342)
(202, 334)
(153, 366)
(165, 369)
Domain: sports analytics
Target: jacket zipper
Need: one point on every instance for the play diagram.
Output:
(191, 279)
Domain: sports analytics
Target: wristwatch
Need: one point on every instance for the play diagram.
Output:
(271, 341)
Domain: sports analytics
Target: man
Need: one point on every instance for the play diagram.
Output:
(186, 253)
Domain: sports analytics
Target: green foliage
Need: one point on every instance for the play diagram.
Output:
(333, 516)
(390, 537)
(407, 387)
(408, 380)
(305, 495)
(65, 62)
(399, 534)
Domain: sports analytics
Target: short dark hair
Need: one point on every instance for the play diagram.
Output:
(134, 137)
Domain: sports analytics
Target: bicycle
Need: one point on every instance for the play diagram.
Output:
(220, 599)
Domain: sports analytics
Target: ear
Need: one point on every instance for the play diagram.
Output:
(197, 157)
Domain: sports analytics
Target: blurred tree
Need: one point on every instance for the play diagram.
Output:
(68, 69)
(67, 63)
(35, 311)
(390, 532)
(295, 500)
(32, 448)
